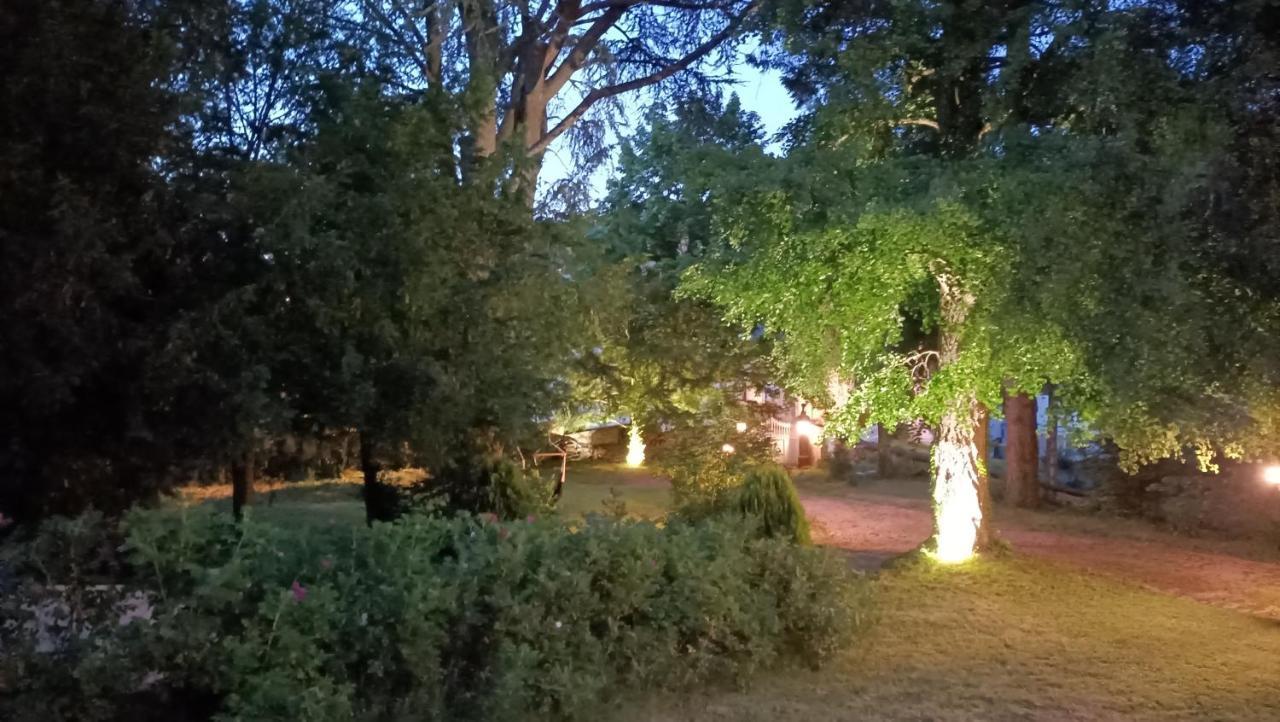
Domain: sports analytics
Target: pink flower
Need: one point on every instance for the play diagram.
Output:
(5, 521)
(326, 564)
(299, 592)
(531, 518)
(489, 517)
(503, 532)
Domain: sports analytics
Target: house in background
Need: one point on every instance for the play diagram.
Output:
(795, 427)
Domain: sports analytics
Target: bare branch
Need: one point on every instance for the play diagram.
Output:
(583, 47)
(923, 122)
(599, 94)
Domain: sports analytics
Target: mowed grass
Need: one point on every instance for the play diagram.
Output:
(590, 489)
(996, 639)
(1017, 639)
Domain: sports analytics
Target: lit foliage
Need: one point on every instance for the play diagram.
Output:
(851, 293)
(988, 195)
(921, 286)
(663, 360)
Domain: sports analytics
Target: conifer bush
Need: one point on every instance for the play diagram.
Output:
(768, 497)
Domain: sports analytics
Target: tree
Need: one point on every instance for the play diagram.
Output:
(1022, 463)
(934, 80)
(662, 360)
(427, 314)
(529, 73)
(87, 229)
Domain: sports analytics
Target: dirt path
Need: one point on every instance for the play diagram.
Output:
(874, 528)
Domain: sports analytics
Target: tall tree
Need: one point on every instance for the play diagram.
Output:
(427, 314)
(662, 360)
(531, 72)
(914, 195)
(86, 228)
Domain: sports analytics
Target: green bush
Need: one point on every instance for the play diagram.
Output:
(769, 498)
(703, 476)
(465, 618)
(486, 485)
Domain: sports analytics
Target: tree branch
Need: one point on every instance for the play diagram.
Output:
(599, 94)
(923, 122)
(583, 47)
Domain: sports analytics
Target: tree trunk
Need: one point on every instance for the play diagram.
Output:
(1022, 462)
(982, 444)
(533, 125)
(884, 453)
(959, 490)
(379, 499)
(1050, 440)
(960, 493)
(480, 20)
(242, 477)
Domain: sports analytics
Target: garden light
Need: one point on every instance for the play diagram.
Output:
(741, 426)
(635, 447)
(727, 448)
(808, 429)
(1271, 475)
(957, 508)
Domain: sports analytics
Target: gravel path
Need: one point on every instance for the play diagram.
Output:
(874, 528)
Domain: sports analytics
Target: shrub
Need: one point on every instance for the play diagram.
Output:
(487, 485)
(840, 464)
(769, 498)
(464, 618)
(703, 476)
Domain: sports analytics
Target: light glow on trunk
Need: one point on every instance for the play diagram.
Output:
(956, 500)
(635, 446)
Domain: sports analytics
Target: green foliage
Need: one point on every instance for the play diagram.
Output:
(437, 619)
(659, 359)
(85, 248)
(704, 476)
(840, 464)
(768, 496)
(1068, 195)
(487, 485)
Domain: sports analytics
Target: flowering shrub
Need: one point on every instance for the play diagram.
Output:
(464, 618)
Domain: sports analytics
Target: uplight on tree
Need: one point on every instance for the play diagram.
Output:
(635, 446)
(728, 448)
(1271, 475)
(741, 426)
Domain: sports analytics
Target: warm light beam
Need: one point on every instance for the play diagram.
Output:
(808, 429)
(956, 502)
(1271, 475)
(635, 446)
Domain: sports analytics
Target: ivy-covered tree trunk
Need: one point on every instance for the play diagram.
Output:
(982, 443)
(960, 494)
(242, 478)
(1022, 473)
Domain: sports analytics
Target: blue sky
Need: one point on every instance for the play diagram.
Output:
(760, 92)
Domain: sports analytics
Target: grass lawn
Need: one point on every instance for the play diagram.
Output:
(337, 501)
(1016, 639)
(590, 486)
